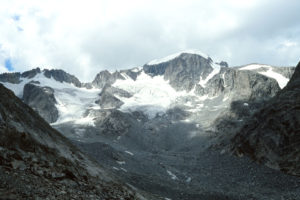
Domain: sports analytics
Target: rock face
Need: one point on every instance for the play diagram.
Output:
(272, 135)
(241, 85)
(31, 73)
(184, 71)
(10, 77)
(223, 64)
(42, 100)
(108, 100)
(36, 161)
(105, 77)
(62, 76)
(110, 121)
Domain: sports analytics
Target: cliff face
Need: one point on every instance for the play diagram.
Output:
(272, 135)
(42, 100)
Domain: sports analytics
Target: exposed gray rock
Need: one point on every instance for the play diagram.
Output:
(108, 101)
(240, 85)
(31, 73)
(42, 100)
(285, 71)
(105, 77)
(132, 74)
(87, 85)
(110, 121)
(115, 91)
(10, 77)
(223, 64)
(62, 76)
(272, 136)
(177, 113)
(183, 72)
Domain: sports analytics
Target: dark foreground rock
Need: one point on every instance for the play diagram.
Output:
(37, 162)
(272, 135)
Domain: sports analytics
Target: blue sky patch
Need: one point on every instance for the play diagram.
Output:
(20, 29)
(8, 64)
(16, 17)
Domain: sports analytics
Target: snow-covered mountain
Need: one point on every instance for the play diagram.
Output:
(190, 80)
(171, 108)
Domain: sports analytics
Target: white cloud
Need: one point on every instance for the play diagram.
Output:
(84, 37)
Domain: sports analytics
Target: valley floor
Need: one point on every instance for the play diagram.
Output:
(206, 174)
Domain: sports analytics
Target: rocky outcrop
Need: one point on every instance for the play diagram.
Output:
(272, 136)
(285, 71)
(132, 73)
(62, 76)
(31, 73)
(110, 122)
(108, 100)
(10, 77)
(240, 85)
(116, 91)
(42, 100)
(223, 64)
(36, 161)
(184, 71)
(105, 77)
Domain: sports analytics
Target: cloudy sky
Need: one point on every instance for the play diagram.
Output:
(85, 37)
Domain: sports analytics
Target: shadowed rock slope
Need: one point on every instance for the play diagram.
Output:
(272, 135)
(36, 161)
(42, 100)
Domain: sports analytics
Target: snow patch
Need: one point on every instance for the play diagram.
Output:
(188, 180)
(124, 170)
(216, 70)
(151, 95)
(128, 152)
(72, 101)
(126, 76)
(121, 162)
(254, 67)
(115, 168)
(16, 88)
(79, 132)
(281, 80)
(225, 99)
(173, 56)
(173, 176)
(137, 69)
(246, 104)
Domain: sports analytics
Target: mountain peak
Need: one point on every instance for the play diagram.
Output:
(175, 55)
